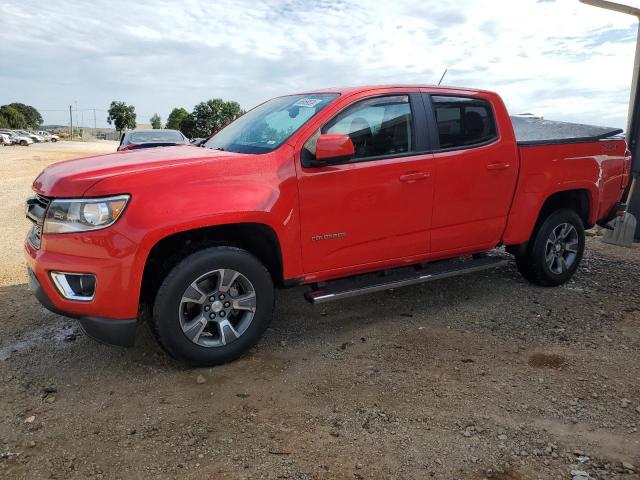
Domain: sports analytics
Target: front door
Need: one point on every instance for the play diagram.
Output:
(377, 206)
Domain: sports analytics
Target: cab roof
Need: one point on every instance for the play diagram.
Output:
(365, 88)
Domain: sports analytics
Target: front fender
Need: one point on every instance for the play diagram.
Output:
(260, 189)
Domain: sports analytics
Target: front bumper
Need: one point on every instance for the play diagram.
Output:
(119, 332)
(106, 254)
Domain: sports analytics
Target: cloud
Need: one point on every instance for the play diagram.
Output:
(562, 59)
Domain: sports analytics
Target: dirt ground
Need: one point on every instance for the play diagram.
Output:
(483, 376)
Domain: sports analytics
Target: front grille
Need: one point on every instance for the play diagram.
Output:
(36, 212)
(44, 201)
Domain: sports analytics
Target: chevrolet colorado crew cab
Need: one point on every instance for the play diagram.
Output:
(349, 191)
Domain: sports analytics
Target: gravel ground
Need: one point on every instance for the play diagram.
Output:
(482, 376)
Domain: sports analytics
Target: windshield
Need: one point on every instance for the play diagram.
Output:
(156, 136)
(269, 125)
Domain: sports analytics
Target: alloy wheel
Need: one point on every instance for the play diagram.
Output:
(561, 249)
(217, 308)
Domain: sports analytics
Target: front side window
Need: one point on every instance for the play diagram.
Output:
(463, 122)
(377, 126)
(269, 125)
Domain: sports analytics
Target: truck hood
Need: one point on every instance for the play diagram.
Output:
(72, 178)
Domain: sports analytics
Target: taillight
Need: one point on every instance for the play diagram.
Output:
(626, 169)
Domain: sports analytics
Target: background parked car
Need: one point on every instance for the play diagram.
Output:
(8, 134)
(151, 138)
(49, 137)
(5, 140)
(32, 136)
(17, 139)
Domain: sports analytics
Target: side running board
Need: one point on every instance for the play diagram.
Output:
(400, 277)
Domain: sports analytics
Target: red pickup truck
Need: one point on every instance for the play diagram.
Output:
(349, 191)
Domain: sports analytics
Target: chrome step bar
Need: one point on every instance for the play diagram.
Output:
(401, 277)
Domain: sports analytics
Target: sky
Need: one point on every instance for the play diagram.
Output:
(557, 58)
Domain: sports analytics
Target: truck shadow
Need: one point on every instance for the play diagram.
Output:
(498, 302)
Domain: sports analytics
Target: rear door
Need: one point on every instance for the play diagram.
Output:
(475, 171)
(377, 206)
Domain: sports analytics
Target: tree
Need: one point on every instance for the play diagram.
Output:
(213, 115)
(122, 115)
(32, 117)
(188, 125)
(156, 121)
(11, 117)
(175, 119)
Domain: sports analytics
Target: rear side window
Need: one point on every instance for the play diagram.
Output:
(463, 122)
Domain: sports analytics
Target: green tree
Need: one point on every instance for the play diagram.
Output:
(156, 121)
(32, 117)
(188, 125)
(11, 117)
(175, 119)
(213, 115)
(123, 116)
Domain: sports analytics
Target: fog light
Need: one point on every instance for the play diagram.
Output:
(75, 286)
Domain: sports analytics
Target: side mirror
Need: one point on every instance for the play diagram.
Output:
(334, 149)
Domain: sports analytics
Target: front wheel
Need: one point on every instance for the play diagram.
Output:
(555, 249)
(213, 306)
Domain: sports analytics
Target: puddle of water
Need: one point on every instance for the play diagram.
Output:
(59, 335)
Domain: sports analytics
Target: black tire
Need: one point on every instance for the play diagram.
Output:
(166, 323)
(533, 264)
(24, 143)
(53, 140)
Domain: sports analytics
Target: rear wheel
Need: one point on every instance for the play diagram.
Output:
(24, 143)
(213, 306)
(555, 249)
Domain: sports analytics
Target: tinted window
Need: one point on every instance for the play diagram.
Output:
(156, 136)
(463, 122)
(377, 126)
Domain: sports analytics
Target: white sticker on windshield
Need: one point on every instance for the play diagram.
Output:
(307, 102)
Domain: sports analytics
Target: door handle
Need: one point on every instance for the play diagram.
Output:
(498, 166)
(411, 177)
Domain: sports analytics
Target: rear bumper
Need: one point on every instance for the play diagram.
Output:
(613, 213)
(119, 332)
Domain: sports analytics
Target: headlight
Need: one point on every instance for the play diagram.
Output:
(83, 214)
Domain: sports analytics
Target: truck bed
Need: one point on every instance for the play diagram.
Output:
(536, 131)
(598, 167)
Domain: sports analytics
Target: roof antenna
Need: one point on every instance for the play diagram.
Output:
(442, 77)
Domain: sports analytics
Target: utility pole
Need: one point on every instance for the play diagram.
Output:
(94, 121)
(77, 126)
(70, 123)
(633, 119)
